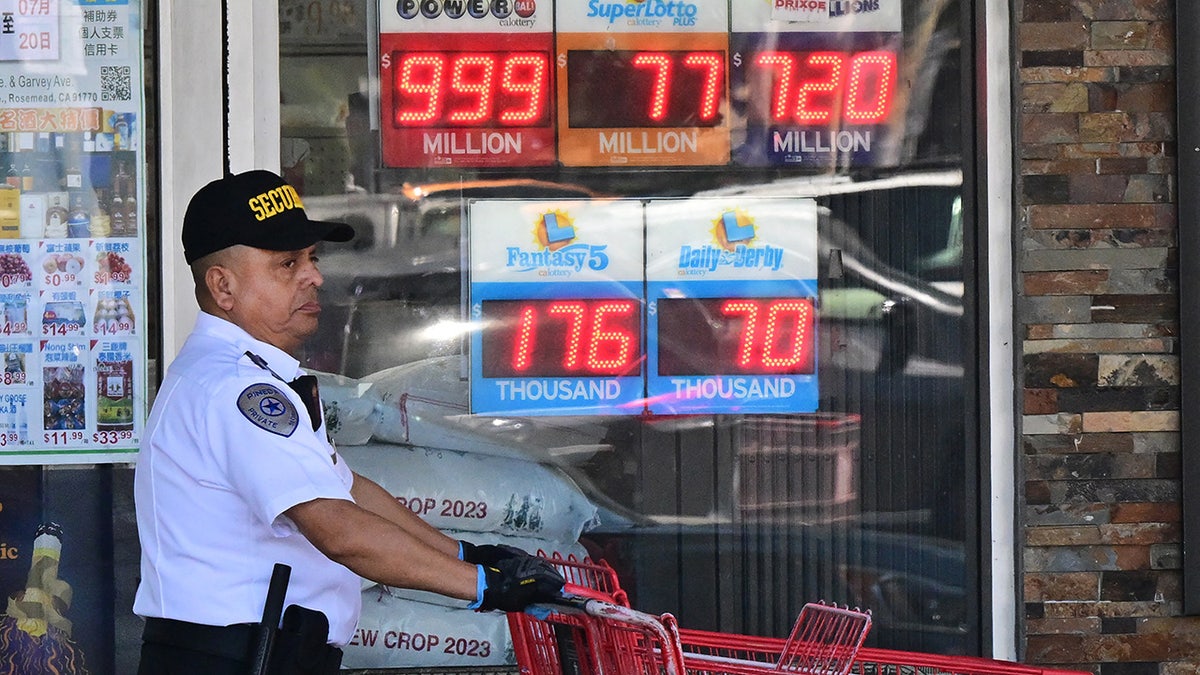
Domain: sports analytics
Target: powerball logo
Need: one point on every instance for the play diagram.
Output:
(734, 233)
(557, 253)
(456, 9)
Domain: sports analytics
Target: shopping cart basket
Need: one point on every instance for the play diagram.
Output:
(824, 641)
(585, 634)
(868, 661)
(602, 636)
(712, 653)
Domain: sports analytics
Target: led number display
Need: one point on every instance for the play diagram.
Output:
(642, 99)
(829, 87)
(627, 88)
(564, 337)
(470, 89)
(735, 336)
(814, 99)
(466, 99)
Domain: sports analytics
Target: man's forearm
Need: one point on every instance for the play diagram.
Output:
(380, 550)
(372, 497)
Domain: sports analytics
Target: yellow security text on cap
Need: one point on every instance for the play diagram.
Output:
(275, 201)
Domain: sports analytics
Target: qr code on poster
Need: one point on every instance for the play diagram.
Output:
(115, 83)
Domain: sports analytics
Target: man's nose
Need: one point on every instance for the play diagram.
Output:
(314, 274)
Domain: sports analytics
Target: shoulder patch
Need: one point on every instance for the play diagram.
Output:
(268, 408)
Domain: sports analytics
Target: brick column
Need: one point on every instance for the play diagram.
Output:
(1097, 313)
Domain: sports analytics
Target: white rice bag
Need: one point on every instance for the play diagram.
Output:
(478, 493)
(427, 403)
(352, 409)
(394, 632)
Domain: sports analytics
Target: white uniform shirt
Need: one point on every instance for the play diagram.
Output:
(228, 448)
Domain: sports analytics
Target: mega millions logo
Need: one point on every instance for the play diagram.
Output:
(557, 251)
(798, 9)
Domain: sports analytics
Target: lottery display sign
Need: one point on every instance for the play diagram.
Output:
(731, 289)
(467, 84)
(818, 82)
(811, 84)
(643, 84)
(556, 289)
(669, 306)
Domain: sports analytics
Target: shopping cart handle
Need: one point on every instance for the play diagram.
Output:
(600, 606)
(572, 593)
(572, 597)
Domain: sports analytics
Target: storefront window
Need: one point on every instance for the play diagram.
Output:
(77, 286)
(846, 472)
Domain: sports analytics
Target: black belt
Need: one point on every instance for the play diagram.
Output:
(292, 654)
(231, 642)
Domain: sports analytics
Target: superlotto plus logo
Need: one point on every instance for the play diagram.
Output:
(645, 12)
(556, 250)
(457, 9)
(734, 234)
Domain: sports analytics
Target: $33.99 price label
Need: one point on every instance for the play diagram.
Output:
(122, 437)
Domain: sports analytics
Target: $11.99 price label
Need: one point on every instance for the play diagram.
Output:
(63, 437)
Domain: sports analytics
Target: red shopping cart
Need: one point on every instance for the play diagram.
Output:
(868, 661)
(599, 634)
(586, 634)
(594, 632)
(824, 641)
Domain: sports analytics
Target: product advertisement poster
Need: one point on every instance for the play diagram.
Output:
(72, 241)
(55, 533)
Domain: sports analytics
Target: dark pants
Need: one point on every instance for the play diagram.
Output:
(167, 660)
(172, 647)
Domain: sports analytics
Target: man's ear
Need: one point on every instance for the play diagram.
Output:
(220, 282)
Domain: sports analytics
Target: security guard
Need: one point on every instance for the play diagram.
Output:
(236, 473)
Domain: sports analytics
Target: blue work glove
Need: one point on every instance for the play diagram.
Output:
(486, 554)
(513, 584)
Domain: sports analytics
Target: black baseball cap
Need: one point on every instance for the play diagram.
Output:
(256, 208)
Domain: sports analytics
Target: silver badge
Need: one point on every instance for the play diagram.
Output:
(269, 408)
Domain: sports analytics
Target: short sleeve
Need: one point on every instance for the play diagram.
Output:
(273, 457)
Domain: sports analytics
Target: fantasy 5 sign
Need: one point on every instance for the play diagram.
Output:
(629, 307)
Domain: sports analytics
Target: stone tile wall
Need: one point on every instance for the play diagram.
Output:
(1097, 319)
